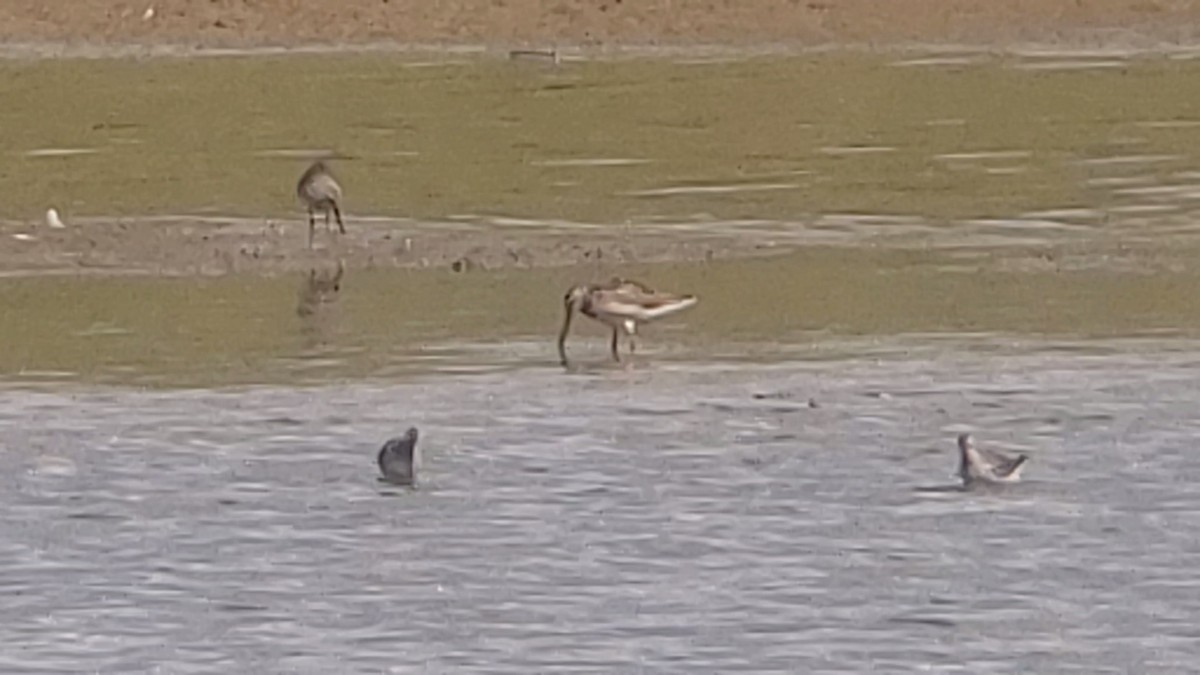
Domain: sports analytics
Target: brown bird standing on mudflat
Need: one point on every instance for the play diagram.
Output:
(319, 191)
(620, 304)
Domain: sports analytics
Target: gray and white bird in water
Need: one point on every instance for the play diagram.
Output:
(320, 191)
(976, 465)
(399, 459)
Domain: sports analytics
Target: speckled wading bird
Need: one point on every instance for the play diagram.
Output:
(399, 459)
(620, 304)
(986, 466)
(320, 191)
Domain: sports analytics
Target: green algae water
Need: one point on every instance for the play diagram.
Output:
(603, 141)
(1018, 187)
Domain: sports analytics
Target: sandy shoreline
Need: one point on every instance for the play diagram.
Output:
(1104, 44)
(1137, 46)
(102, 27)
(200, 247)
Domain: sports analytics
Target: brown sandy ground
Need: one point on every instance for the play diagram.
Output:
(599, 23)
(183, 247)
(188, 247)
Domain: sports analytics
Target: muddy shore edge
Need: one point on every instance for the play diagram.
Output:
(64, 27)
(183, 247)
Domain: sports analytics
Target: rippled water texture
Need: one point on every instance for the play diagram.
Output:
(672, 519)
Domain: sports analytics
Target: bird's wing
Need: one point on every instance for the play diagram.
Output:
(1001, 464)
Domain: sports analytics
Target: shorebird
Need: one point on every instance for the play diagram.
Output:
(399, 459)
(320, 191)
(620, 304)
(986, 466)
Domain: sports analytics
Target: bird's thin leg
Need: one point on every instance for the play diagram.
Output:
(328, 225)
(338, 212)
(312, 224)
(632, 345)
(616, 356)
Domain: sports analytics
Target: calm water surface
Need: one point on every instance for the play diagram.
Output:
(670, 517)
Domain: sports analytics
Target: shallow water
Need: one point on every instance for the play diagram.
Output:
(187, 466)
(398, 324)
(827, 146)
(669, 518)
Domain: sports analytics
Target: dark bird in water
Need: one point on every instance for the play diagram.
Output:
(620, 304)
(986, 466)
(320, 191)
(399, 459)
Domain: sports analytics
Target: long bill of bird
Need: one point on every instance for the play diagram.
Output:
(570, 305)
(965, 445)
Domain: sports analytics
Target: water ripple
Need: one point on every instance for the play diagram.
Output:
(682, 523)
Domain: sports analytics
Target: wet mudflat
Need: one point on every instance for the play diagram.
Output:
(673, 518)
(187, 167)
(944, 136)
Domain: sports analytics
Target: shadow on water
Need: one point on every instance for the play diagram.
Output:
(316, 305)
(940, 489)
(318, 290)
